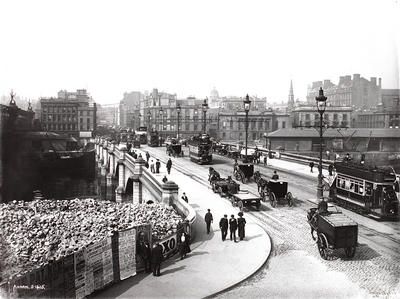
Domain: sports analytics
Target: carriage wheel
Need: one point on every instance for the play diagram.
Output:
(236, 174)
(322, 244)
(220, 191)
(350, 251)
(272, 199)
(262, 194)
(233, 202)
(213, 188)
(242, 177)
(240, 205)
(289, 198)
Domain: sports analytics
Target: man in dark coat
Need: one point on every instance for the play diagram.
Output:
(241, 224)
(232, 227)
(184, 197)
(223, 225)
(311, 166)
(147, 156)
(145, 254)
(156, 259)
(169, 165)
(184, 247)
(208, 218)
(158, 164)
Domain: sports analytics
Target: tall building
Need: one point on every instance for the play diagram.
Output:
(129, 110)
(355, 92)
(308, 116)
(71, 113)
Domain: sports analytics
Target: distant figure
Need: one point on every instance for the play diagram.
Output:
(164, 179)
(232, 227)
(152, 166)
(322, 207)
(347, 158)
(275, 176)
(265, 159)
(156, 259)
(184, 247)
(208, 218)
(147, 156)
(223, 225)
(145, 254)
(146, 164)
(330, 169)
(362, 159)
(185, 198)
(169, 165)
(311, 166)
(328, 155)
(241, 224)
(158, 164)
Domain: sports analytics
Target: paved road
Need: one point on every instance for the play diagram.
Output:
(296, 267)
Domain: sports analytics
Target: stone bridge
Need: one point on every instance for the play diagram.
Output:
(134, 178)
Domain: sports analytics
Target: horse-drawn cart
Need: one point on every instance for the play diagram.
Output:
(277, 190)
(334, 230)
(245, 198)
(243, 172)
(174, 149)
(225, 187)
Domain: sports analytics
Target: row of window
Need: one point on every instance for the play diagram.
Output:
(353, 185)
(59, 118)
(58, 109)
(326, 116)
(66, 127)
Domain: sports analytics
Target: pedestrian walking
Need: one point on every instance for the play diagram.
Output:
(156, 259)
(311, 166)
(208, 218)
(152, 166)
(265, 159)
(169, 165)
(330, 169)
(164, 179)
(241, 224)
(145, 254)
(184, 197)
(275, 176)
(232, 227)
(223, 225)
(184, 247)
(158, 164)
(147, 156)
(146, 164)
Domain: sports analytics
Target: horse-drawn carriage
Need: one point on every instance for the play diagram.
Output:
(276, 190)
(174, 148)
(334, 231)
(243, 172)
(245, 198)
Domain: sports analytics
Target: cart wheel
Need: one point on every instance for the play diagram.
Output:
(220, 191)
(233, 202)
(263, 195)
(322, 244)
(350, 251)
(289, 198)
(213, 188)
(272, 199)
(240, 205)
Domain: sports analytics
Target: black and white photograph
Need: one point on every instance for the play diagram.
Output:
(200, 149)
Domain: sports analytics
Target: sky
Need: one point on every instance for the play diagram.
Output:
(188, 47)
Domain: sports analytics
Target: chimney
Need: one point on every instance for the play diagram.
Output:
(373, 81)
(380, 82)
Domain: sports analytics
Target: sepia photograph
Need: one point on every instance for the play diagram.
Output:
(200, 149)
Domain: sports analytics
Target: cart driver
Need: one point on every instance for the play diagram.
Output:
(275, 176)
(235, 166)
(322, 207)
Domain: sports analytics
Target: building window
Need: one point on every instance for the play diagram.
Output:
(187, 127)
(267, 125)
(307, 116)
(283, 124)
(81, 120)
(195, 127)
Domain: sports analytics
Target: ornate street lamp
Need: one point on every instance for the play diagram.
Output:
(246, 104)
(204, 107)
(321, 106)
(161, 112)
(148, 120)
(178, 110)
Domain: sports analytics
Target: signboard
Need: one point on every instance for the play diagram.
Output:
(83, 134)
(80, 269)
(169, 245)
(127, 253)
(108, 274)
(96, 260)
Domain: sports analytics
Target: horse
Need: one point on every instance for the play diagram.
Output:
(261, 183)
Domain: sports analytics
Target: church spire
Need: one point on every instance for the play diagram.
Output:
(291, 97)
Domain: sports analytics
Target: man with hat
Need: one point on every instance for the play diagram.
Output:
(275, 176)
(208, 218)
(156, 259)
(232, 227)
(223, 225)
(241, 224)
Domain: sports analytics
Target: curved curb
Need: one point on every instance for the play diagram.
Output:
(250, 275)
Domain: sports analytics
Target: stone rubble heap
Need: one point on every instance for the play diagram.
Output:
(32, 233)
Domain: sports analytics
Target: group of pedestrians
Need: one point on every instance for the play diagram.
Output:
(152, 258)
(233, 224)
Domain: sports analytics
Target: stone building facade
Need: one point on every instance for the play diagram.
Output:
(308, 116)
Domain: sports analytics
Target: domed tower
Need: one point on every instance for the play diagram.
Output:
(214, 96)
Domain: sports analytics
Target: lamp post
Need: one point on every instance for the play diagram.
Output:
(178, 110)
(246, 104)
(204, 107)
(321, 106)
(148, 120)
(161, 113)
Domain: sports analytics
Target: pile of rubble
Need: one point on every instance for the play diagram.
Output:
(33, 233)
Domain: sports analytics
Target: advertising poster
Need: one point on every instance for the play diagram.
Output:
(127, 253)
(89, 279)
(97, 265)
(108, 274)
(80, 269)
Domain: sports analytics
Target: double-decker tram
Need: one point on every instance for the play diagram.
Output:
(200, 149)
(366, 189)
(141, 133)
(153, 138)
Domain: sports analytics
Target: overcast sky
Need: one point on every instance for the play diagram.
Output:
(188, 47)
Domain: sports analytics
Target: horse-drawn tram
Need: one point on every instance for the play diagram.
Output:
(334, 231)
(365, 189)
